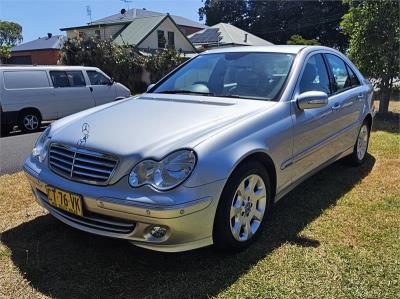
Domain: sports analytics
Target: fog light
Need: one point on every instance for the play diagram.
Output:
(158, 231)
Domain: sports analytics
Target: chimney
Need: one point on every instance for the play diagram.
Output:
(245, 37)
(49, 35)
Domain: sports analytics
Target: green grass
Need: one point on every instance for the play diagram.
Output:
(335, 236)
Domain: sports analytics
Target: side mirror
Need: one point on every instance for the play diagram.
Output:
(312, 99)
(111, 82)
(150, 87)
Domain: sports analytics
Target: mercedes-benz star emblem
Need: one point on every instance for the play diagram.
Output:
(85, 131)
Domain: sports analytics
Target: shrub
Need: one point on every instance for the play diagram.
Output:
(123, 63)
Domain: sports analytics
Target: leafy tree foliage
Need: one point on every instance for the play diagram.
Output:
(297, 39)
(234, 12)
(374, 30)
(277, 21)
(10, 33)
(123, 63)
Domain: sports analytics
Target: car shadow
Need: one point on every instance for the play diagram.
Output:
(62, 262)
(389, 122)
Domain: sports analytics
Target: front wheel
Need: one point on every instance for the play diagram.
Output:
(243, 207)
(361, 147)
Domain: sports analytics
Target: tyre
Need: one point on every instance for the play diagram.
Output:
(29, 121)
(243, 207)
(361, 146)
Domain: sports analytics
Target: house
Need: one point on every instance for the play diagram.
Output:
(225, 35)
(41, 51)
(144, 29)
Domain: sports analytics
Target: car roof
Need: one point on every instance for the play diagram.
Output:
(289, 49)
(46, 67)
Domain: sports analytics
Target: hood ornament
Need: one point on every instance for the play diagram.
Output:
(85, 132)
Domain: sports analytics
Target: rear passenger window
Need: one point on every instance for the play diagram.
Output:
(25, 79)
(67, 79)
(353, 77)
(339, 71)
(97, 78)
(315, 76)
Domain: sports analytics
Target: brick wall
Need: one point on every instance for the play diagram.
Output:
(42, 57)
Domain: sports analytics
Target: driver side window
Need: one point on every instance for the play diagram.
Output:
(97, 78)
(315, 76)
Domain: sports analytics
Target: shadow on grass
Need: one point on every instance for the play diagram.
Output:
(389, 122)
(62, 262)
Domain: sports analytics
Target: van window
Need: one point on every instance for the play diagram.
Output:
(67, 79)
(25, 79)
(97, 78)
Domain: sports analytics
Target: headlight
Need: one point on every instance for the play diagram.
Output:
(41, 145)
(165, 174)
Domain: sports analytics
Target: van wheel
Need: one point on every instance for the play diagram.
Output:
(29, 121)
(243, 207)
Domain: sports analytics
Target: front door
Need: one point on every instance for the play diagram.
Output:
(102, 88)
(313, 128)
(71, 93)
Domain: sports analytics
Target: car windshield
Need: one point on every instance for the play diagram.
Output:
(249, 75)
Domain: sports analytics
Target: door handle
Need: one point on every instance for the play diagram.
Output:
(336, 107)
(360, 97)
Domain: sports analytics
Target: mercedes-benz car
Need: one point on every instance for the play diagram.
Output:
(200, 158)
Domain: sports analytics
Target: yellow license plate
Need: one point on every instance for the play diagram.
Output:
(66, 201)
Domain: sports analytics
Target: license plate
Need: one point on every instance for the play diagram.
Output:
(66, 201)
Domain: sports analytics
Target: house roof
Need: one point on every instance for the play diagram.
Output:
(223, 33)
(137, 30)
(42, 43)
(140, 28)
(135, 13)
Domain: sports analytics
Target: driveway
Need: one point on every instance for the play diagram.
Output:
(14, 150)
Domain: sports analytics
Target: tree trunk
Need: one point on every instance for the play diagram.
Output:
(385, 95)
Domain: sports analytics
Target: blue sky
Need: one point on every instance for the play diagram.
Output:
(37, 17)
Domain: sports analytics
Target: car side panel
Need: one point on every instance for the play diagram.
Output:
(42, 99)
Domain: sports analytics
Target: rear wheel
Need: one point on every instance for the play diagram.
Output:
(243, 207)
(361, 147)
(29, 121)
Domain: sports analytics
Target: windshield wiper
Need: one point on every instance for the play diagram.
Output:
(173, 91)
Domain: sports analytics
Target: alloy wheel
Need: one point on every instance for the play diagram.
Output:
(248, 207)
(362, 142)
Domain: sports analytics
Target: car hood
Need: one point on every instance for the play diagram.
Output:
(153, 125)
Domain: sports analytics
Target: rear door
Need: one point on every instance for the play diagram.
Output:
(71, 93)
(102, 87)
(348, 97)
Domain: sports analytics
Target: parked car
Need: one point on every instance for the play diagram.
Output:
(200, 158)
(31, 94)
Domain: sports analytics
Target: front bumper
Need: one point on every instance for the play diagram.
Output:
(119, 211)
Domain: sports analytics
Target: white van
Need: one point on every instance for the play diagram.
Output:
(32, 94)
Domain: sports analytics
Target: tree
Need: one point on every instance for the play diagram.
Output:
(374, 30)
(234, 12)
(297, 39)
(277, 21)
(10, 33)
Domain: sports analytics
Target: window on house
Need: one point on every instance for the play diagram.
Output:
(97, 33)
(171, 40)
(161, 39)
(81, 34)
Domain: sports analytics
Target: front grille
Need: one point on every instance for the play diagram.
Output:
(81, 164)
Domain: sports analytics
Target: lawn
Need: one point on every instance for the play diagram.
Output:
(337, 235)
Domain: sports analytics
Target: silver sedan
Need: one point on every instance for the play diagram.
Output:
(200, 158)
